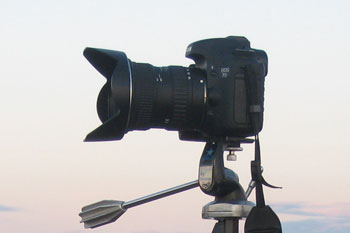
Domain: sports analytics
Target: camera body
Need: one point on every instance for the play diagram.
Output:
(235, 75)
(220, 97)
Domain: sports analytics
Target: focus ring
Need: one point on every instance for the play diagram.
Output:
(180, 96)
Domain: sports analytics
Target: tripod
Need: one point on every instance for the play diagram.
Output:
(229, 206)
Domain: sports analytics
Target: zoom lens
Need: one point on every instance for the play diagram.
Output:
(139, 96)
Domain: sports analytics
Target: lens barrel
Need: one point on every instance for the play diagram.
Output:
(139, 96)
(166, 97)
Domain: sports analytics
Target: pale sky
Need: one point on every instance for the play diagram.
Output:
(48, 94)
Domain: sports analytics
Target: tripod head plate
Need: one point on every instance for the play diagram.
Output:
(221, 210)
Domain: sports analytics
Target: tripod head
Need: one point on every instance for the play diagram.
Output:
(230, 202)
(214, 178)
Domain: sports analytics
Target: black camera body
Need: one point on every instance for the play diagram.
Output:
(235, 76)
(220, 97)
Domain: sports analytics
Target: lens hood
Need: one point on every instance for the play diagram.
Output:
(114, 100)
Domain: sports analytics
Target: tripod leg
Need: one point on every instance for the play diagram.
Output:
(219, 227)
(229, 225)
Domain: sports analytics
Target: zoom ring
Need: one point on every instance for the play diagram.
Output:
(144, 94)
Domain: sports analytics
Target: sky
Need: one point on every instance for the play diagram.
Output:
(48, 95)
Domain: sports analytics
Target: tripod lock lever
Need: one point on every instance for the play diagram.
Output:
(108, 211)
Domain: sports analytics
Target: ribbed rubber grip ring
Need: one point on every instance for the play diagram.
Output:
(180, 97)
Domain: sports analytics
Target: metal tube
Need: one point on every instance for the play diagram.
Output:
(231, 225)
(250, 188)
(161, 194)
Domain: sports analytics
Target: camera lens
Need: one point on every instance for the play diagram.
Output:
(139, 96)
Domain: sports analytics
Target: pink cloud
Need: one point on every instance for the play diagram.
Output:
(330, 216)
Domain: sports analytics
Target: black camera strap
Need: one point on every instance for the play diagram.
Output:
(256, 171)
(261, 218)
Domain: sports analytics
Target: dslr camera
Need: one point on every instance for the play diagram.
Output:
(218, 98)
